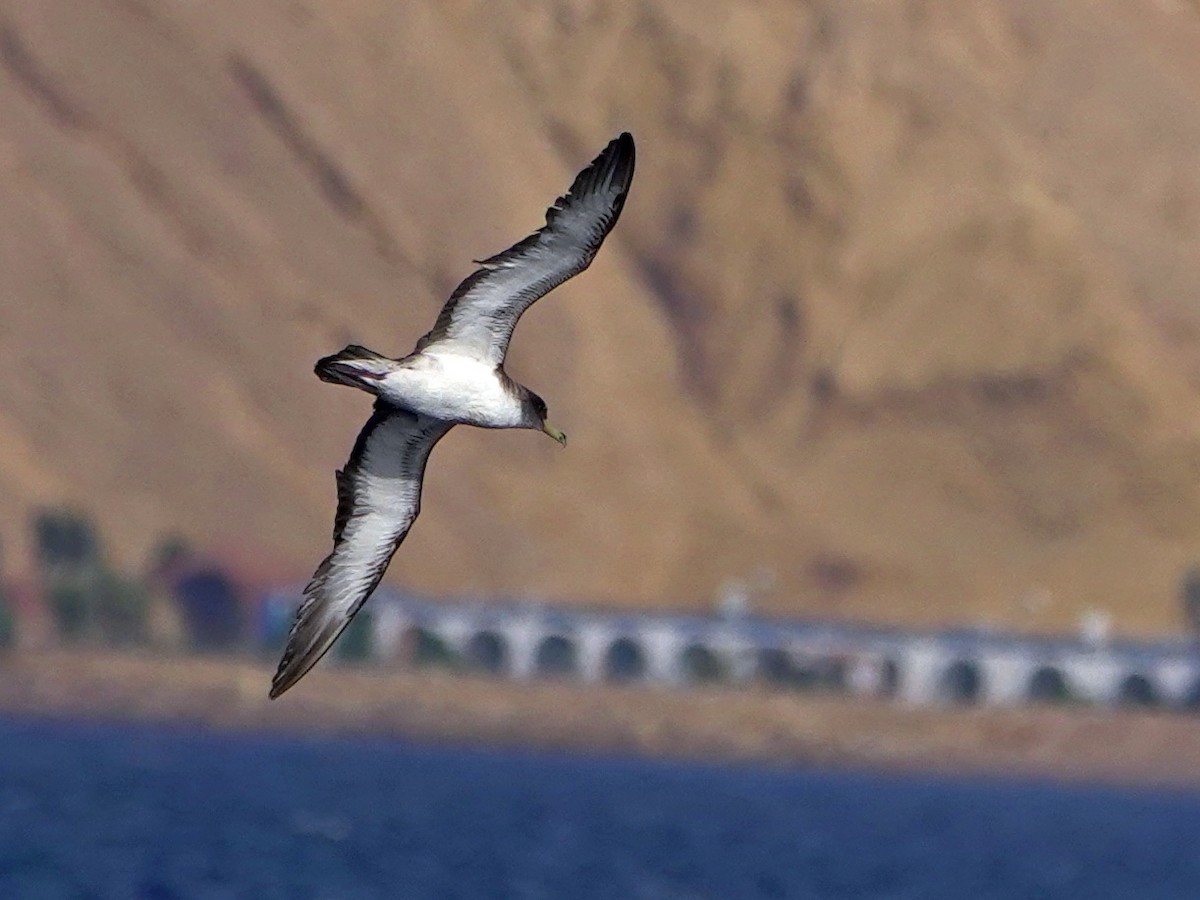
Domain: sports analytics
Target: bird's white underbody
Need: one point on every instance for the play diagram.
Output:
(452, 388)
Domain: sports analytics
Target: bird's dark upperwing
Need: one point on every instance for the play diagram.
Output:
(479, 317)
(378, 498)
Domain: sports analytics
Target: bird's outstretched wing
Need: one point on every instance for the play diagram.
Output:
(378, 498)
(479, 317)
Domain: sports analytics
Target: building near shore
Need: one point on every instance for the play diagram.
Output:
(523, 640)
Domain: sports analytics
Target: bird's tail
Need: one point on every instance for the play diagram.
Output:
(355, 366)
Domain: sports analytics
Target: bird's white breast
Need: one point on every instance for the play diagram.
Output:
(453, 388)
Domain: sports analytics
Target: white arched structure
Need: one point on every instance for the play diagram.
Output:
(916, 668)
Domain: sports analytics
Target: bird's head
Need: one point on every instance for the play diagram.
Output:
(535, 417)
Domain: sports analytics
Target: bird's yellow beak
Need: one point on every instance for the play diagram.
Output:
(554, 433)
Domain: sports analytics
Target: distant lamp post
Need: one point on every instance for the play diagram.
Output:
(1095, 627)
(735, 594)
(733, 599)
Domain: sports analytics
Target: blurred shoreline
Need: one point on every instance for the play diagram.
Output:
(715, 724)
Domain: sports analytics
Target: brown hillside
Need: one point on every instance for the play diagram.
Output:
(903, 305)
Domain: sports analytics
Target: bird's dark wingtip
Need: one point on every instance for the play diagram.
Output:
(292, 669)
(612, 168)
(283, 679)
(299, 657)
(622, 146)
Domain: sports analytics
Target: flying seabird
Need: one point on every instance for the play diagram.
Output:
(455, 376)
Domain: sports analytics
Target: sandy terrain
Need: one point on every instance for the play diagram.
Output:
(716, 724)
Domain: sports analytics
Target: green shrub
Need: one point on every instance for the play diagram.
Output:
(71, 610)
(354, 646)
(8, 624)
(65, 539)
(702, 664)
(428, 649)
(121, 609)
(98, 605)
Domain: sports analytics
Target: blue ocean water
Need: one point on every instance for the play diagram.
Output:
(99, 811)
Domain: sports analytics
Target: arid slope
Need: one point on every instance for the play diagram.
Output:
(903, 306)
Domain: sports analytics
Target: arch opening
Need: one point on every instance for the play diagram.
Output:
(556, 656)
(832, 673)
(1191, 699)
(428, 648)
(889, 678)
(624, 660)
(962, 682)
(487, 652)
(804, 672)
(1049, 685)
(774, 666)
(1138, 690)
(699, 663)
